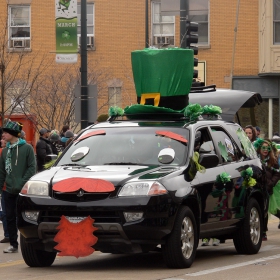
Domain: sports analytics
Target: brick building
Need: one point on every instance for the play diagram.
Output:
(250, 55)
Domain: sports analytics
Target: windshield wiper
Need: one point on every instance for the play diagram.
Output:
(122, 163)
(74, 164)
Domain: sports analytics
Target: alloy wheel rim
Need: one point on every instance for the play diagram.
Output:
(255, 226)
(187, 237)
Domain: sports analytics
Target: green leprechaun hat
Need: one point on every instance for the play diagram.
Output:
(163, 77)
(13, 128)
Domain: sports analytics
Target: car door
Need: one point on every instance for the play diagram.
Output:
(206, 178)
(245, 156)
(237, 154)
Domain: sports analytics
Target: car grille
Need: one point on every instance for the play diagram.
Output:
(98, 216)
(74, 196)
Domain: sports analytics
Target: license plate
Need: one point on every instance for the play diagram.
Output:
(75, 219)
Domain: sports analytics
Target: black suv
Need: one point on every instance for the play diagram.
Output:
(174, 182)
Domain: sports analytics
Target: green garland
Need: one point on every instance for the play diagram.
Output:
(52, 162)
(247, 176)
(115, 111)
(212, 110)
(264, 162)
(223, 178)
(199, 167)
(191, 112)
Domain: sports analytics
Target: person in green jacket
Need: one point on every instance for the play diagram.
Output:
(17, 166)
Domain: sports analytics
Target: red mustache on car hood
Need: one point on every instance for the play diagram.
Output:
(87, 184)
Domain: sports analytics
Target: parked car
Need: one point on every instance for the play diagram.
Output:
(174, 182)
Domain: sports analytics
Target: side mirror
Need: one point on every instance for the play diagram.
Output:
(206, 147)
(51, 157)
(208, 160)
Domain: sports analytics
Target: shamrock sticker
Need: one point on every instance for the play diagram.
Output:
(66, 35)
(64, 3)
(246, 143)
(223, 151)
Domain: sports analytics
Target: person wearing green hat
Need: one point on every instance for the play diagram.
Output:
(17, 166)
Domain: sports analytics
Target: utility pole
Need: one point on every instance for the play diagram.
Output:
(83, 51)
(234, 43)
(147, 24)
(184, 13)
(2, 70)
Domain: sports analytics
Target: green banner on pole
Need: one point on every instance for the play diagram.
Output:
(66, 26)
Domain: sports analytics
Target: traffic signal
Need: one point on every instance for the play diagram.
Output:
(195, 64)
(192, 38)
(191, 35)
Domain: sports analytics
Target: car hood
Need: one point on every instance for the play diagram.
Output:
(114, 174)
(229, 100)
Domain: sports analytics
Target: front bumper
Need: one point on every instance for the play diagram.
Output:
(114, 233)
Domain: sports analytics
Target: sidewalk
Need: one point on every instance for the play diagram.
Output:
(272, 219)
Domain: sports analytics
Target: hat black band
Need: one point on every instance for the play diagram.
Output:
(15, 133)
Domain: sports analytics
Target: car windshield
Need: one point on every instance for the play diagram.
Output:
(129, 145)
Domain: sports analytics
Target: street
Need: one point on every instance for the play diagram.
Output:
(211, 262)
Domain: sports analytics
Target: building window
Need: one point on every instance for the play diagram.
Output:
(198, 12)
(19, 26)
(90, 25)
(163, 27)
(115, 96)
(17, 105)
(17, 100)
(276, 22)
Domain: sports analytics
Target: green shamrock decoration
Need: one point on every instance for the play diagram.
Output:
(223, 151)
(64, 3)
(66, 35)
(247, 145)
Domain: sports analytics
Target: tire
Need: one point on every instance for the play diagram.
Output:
(180, 248)
(248, 238)
(35, 258)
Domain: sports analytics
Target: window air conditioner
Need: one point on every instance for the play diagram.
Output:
(90, 41)
(162, 40)
(18, 43)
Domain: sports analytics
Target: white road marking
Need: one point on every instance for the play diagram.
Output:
(173, 279)
(208, 271)
(269, 248)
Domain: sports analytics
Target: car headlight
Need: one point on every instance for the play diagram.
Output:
(36, 188)
(143, 189)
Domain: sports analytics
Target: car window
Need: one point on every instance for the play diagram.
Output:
(203, 142)
(126, 145)
(243, 142)
(225, 145)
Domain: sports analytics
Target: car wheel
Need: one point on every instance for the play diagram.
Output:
(33, 257)
(248, 239)
(180, 248)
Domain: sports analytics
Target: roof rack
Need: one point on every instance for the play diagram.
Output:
(163, 117)
(203, 88)
(209, 117)
(150, 116)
